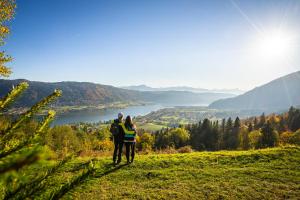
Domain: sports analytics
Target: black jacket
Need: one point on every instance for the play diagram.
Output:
(121, 134)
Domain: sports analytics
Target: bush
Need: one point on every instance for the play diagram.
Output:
(104, 145)
(286, 137)
(104, 133)
(255, 139)
(296, 137)
(179, 137)
(145, 142)
(168, 150)
(63, 140)
(175, 137)
(185, 149)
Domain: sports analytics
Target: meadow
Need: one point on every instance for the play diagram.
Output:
(272, 173)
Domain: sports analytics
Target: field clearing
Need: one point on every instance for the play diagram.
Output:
(150, 127)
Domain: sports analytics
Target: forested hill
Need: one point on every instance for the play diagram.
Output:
(74, 93)
(278, 94)
(84, 93)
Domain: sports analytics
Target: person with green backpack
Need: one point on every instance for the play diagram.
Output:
(129, 139)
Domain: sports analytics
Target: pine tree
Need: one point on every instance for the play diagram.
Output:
(245, 141)
(234, 139)
(269, 135)
(255, 124)
(228, 133)
(293, 119)
(250, 127)
(262, 121)
(195, 135)
(281, 126)
(223, 125)
(290, 115)
(205, 137)
(25, 151)
(221, 135)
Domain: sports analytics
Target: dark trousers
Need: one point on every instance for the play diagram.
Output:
(118, 150)
(130, 148)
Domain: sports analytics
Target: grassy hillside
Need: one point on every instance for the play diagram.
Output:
(258, 174)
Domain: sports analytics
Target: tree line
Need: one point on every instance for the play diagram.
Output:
(206, 135)
(229, 134)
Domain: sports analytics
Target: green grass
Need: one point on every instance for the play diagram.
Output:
(256, 174)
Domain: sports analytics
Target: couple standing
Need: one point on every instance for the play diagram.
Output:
(123, 133)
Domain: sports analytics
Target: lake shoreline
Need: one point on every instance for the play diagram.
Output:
(104, 114)
(69, 109)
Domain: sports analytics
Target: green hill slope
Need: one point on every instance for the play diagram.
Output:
(278, 94)
(256, 174)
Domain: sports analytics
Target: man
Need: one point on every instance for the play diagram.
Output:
(118, 137)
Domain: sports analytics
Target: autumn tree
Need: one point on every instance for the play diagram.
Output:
(7, 11)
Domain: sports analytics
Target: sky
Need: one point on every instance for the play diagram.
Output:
(208, 44)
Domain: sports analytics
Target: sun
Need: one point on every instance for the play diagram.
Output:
(274, 44)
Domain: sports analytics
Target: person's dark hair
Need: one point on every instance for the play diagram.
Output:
(128, 122)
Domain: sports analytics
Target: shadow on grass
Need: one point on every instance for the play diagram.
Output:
(109, 168)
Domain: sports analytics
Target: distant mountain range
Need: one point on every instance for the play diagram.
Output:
(276, 95)
(183, 88)
(87, 94)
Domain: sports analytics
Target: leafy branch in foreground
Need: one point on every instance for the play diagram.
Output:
(37, 107)
(13, 94)
(26, 189)
(47, 120)
(27, 150)
(25, 157)
(42, 126)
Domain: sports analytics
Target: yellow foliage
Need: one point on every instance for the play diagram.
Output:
(4, 71)
(104, 145)
(4, 30)
(7, 11)
(285, 137)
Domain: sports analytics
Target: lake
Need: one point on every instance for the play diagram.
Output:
(103, 115)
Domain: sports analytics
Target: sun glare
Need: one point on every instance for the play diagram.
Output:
(275, 44)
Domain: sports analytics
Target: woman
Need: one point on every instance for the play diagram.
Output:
(129, 139)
